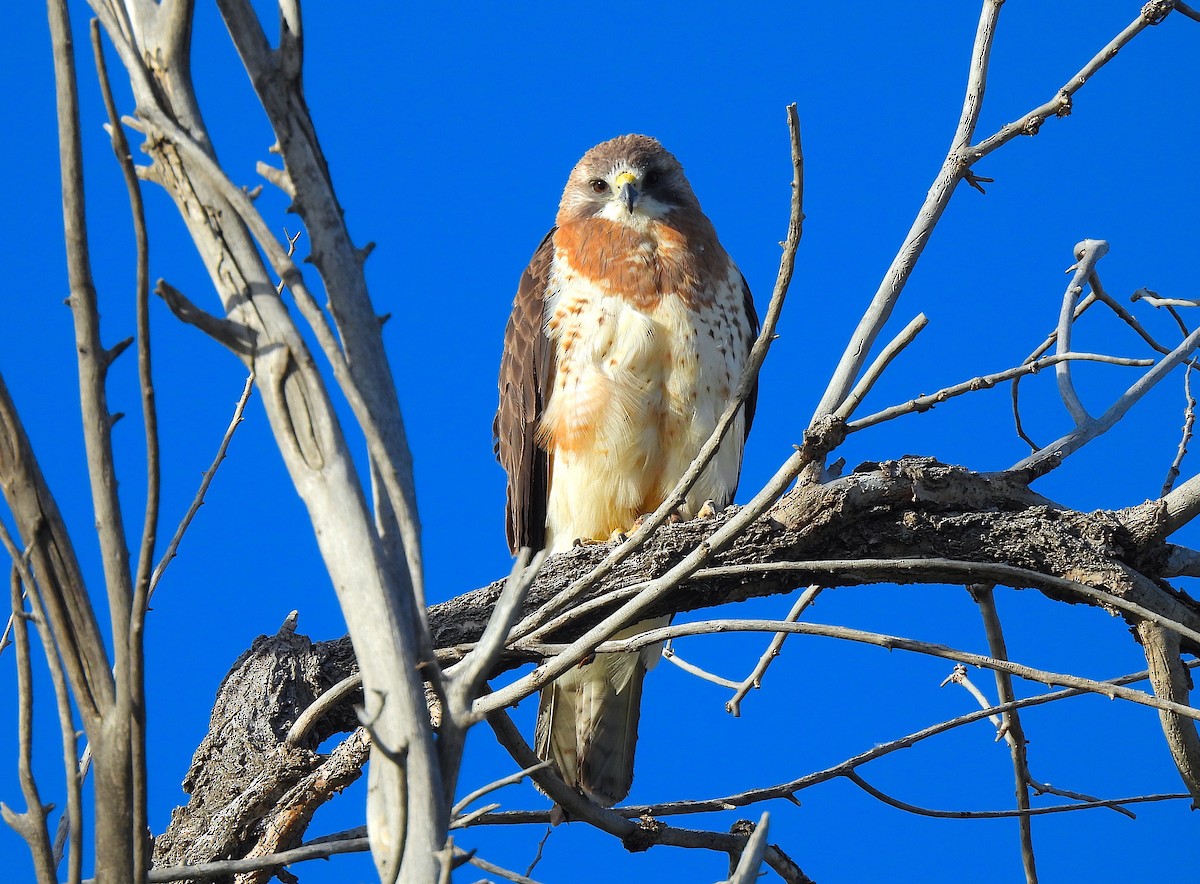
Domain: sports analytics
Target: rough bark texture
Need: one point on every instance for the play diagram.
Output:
(243, 768)
(913, 508)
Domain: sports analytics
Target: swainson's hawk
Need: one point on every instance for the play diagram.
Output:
(628, 335)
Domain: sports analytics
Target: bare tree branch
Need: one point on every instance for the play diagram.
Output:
(118, 855)
(1184, 9)
(995, 814)
(206, 480)
(1061, 104)
(985, 382)
(788, 790)
(276, 76)
(1181, 505)
(1053, 454)
(753, 681)
(953, 170)
(669, 654)
(71, 823)
(1088, 253)
(1189, 420)
(30, 824)
(512, 779)
(375, 591)
(1171, 681)
(634, 836)
(906, 336)
(145, 560)
(959, 676)
(752, 856)
(223, 868)
(464, 680)
(891, 643)
(983, 595)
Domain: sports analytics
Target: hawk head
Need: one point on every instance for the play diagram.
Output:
(631, 180)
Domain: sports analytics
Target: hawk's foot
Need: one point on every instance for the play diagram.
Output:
(587, 541)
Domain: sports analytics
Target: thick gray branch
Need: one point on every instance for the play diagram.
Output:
(901, 510)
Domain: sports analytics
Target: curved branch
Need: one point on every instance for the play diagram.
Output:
(787, 790)
(1087, 254)
(891, 643)
(1053, 454)
(1181, 506)
(1171, 682)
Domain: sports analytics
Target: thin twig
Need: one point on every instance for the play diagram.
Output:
(1080, 309)
(908, 570)
(291, 250)
(1052, 455)
(5, 639)
(984, 598)
(998, 814)
(69, 834)
(510, 780)
(959, 676)
(205, 481)
(1099, 293)
(30, 824)
(753, 681)
(223, 868)
(499, 871)
(986, 382)
(1061, 104)
(537, 857)
(1189, 420)
(1155, 301)
(890, 642)
(464, 679)
(581, 808)
(906, 336)
(463, 682)
(789, 789)
(70, 824)
(668, 654)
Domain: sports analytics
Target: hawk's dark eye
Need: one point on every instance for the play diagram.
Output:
(599, 185)
(652, 178)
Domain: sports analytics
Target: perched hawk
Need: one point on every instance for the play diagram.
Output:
(628, 335)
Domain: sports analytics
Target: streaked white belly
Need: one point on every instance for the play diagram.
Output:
(636, 394)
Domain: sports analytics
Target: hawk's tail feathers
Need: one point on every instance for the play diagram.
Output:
(588, 724)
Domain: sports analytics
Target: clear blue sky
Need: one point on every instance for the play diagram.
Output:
(450, 132)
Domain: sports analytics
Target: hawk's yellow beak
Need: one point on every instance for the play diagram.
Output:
(627, 192)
